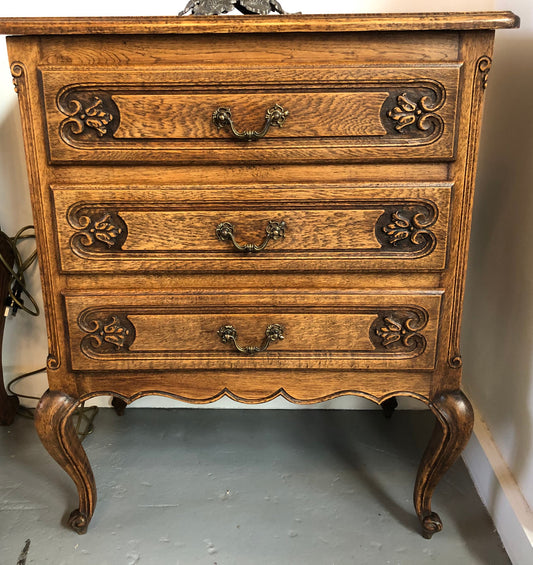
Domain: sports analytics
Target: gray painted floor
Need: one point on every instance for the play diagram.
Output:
(241, 487)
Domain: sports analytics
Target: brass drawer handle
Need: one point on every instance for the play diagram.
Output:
(274, 230)
(274, 332)
(274, 116)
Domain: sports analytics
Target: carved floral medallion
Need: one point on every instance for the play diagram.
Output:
(413, 110)
(407, 227)
(99, 229)
(89, 114)
(106, 332)
(399, 330)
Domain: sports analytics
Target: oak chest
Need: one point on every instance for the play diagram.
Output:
(253, 207)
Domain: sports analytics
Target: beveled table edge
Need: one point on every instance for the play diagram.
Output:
(256, 24)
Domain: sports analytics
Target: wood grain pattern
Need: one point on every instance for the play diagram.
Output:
(172, 229)
(36, 175)
(352, 331)
(113, 115)
(258, 24)
(304, 387)
(372, 173)
(316, 114)
(248, 49)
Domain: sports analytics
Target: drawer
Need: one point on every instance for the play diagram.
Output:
(290, 227)
(181, 114)
(240, 330)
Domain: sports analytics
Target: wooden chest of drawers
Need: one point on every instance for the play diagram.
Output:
(253, 207)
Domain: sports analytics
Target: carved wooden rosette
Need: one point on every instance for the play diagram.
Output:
(98, 230)
(398, 330)
(405, 228)
(107, 332)
(91, 114)
(413, 112)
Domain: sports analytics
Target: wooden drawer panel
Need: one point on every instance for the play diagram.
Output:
(113, 229)
(321, 330)
(165, 113)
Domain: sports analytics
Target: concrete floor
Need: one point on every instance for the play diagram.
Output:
(241, 487)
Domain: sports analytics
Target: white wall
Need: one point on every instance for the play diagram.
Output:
(497, 340)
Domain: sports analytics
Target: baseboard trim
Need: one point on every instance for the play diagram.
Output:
(500, 493)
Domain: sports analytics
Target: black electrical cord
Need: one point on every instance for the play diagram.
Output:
(84, 413)
(14, 300)
(19, 378)
(17, 284)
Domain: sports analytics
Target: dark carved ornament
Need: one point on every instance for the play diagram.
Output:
(98, 229)
(17, 72)
(455, 362)
(400, 330)
(89, 114)
(415, 111)
(107, 333)
(216, 7)
(406, 228)
(483, 66)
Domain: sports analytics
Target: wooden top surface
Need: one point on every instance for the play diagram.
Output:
(256, 24)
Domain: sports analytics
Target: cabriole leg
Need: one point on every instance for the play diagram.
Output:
(455, 419)
(54, 426)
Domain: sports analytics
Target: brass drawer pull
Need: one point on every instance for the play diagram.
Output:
(274, 230)
(274, 332)
(274, 116)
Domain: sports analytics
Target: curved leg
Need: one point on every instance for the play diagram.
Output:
(55, 428)
(389, 406)
(455, 419)
(119, 405)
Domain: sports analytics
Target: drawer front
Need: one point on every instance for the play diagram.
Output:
(364, 112)
(275, 330)
(294, 227)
